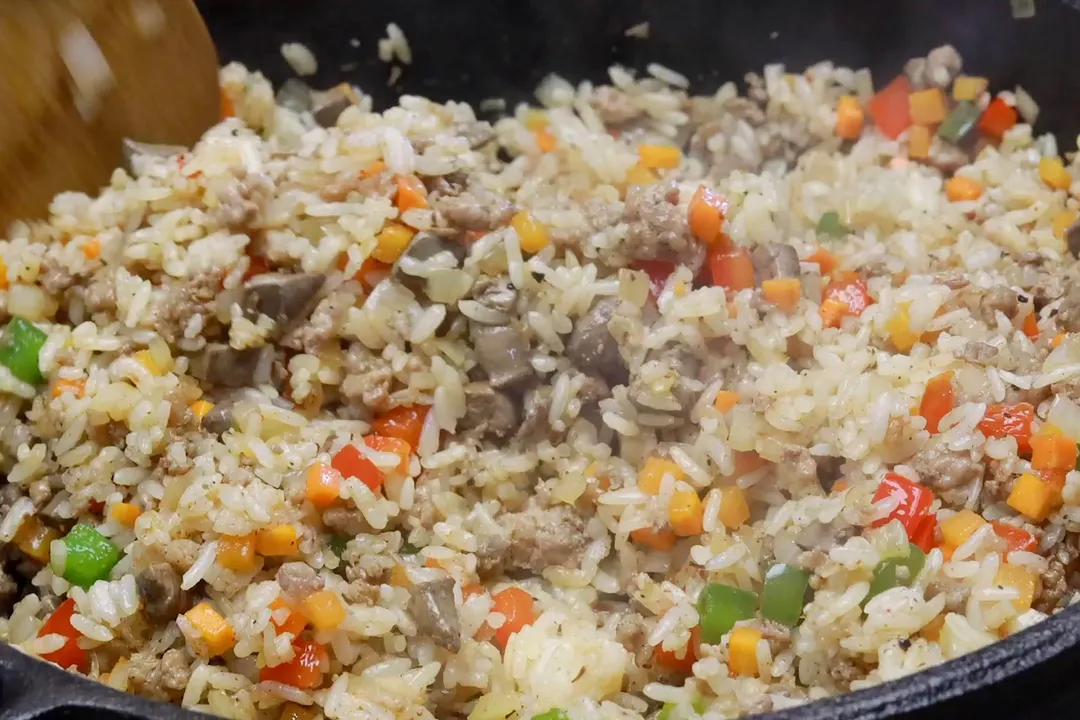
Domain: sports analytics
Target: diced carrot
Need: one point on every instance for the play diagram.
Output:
(411, 193)
(214, 629)
(660, 156)
(958, 528)
(1058, 339)
(662, 539)
(825, 260)
(324, 609)
(1053, 452)
(34, 538)
(303, 671)
(747, 462)
(686, 513)
(928, 107)
(937, 400)
(890, 108)
(784, 293)
(932, 630)
(1054, 478)
(672, 661)
(280, 541)
(399, 576)
(391, 242)
(92, 249)
(840, 486)
(969, 88)
(532, 235)
(998, 118)
(125, 513)
(74, 387)
(638, 174)
(228, 109)
(257, 265)
(201, 408)
(372, 170)
(350, 462)
(732, 270)
(734, 510)
(742, 650)
(472, 590)
(404, 422)
(1052, 172)
(59, 623)
(653, 471)
(1024, 580)
(899, 328)
(706, 214)
(1033, 498)
(849, 118)
(962, 189)
(545, 141)
(3, 275)
(1031, 325)
(918, 143)
(323, 485)
(237, 552)
(725, 400)
(394, 445)
(293, 622)
(518, 607)
(1016, 538)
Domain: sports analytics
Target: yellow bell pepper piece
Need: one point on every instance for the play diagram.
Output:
(960, 527)
(650, 476)
(742, 651)
(1032, 498)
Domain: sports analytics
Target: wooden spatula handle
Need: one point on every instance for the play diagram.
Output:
(159, 85)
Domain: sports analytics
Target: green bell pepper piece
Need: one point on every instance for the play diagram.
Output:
(784, 594)
(552, 714)
(960, 123)
(888, 575)
(19, 350)
(720, 607)
(829, 224)
(90, 556)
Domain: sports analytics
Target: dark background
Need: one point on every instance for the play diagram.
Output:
(476, 49)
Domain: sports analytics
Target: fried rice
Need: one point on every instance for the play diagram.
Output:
(631, 404)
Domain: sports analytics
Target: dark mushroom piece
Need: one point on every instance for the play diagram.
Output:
(296, 95)
(488, 412)
(591, 347)
(432, 607)
(283, 297)
(328, 105)
(1072, 239)
(223, 415)
(423, 247)
(159, 588)
(225, 366)
(502, 352)
(774, 260)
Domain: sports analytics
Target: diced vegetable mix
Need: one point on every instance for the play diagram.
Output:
(20, 349)
(784, 594)
(720, 607)
(90, 556)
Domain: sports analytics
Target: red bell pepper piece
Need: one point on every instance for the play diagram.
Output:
(891, 108)
(1001, 420)
(59, 623)
(913, 506)
(350, 462)
(1017, 538)
(658, 272)
(731, 268)
(405, 422)
(998, 117)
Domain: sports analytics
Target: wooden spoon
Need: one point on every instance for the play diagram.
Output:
(77, 77)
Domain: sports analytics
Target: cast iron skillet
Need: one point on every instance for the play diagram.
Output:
(476, 49)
